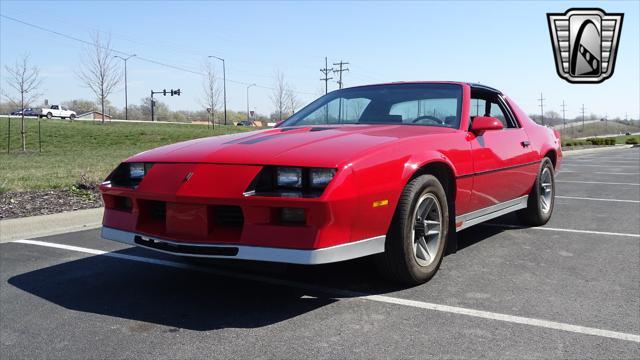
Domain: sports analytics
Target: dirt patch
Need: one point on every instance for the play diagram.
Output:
(43, 202)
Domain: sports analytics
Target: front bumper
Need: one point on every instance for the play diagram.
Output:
(326, 255)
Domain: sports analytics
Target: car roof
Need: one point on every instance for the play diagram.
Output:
(475, 86)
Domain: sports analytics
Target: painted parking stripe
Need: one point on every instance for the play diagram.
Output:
(351, 294)
(603, 165)
(634, 161)
(616, 173)
(596, 182)
(562, 171)
(509, 226)
(596, 199)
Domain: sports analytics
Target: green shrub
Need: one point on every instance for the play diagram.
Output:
(631, 141)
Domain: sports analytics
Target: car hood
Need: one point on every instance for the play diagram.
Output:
(310, 145)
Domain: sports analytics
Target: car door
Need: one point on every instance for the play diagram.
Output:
(504, 163)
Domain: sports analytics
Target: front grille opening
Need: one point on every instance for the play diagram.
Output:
(228, 216)
(152, 217)
(157, 210)
(122, 203)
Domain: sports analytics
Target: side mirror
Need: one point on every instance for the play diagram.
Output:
(481, 124)
(278, 123)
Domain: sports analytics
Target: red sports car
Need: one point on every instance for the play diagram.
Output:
(391, 170)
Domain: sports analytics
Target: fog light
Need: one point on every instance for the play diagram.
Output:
(292, 216)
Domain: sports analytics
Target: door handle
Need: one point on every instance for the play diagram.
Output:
(524, 143)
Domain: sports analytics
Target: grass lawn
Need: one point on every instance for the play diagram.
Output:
(82, 151)
(600, 129)
(622, 138)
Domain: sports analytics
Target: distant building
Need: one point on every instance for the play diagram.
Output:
(93, 115)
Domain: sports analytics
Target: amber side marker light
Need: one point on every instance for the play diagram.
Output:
(380, 203)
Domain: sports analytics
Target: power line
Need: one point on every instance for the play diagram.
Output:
(326, 78)
(340, 70)
(141, 58)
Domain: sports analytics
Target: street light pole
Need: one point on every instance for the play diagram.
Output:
(126, 105)
(224, 86)
(249, 86)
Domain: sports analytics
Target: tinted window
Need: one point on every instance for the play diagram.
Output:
(401, 104)
(489, 105)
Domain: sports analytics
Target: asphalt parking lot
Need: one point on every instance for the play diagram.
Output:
(568, 290)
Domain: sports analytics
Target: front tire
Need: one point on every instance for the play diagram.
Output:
(72, 117)
(541, 198)
(49, 115)
(415, 243)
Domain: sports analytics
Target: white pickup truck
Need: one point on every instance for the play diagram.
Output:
(56, 111)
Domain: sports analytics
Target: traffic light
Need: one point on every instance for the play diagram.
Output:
(164, 92)
(175, 92)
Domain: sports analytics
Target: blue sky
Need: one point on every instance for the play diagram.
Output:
(502, 44)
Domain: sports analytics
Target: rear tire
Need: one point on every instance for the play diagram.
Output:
(49, 115)
(416, 239)
(541, 198)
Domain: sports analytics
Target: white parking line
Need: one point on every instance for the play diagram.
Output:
(509, 226)
(602, 165)
(562, 171)
(596, 182)
(615, 173)
(632, 161)
(596, 199)
(351, 294)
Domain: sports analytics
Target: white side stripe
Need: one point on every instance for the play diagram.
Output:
(596, 199)
(350, 294)
(509, 226)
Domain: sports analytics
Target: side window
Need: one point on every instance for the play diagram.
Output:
(497, 112)
(490, 105)
(478, 107)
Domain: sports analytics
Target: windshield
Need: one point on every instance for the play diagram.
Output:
(398, 104)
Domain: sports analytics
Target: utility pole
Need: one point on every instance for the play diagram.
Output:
(342, 68)
(541, 99)
(224, 86)
(248, 87)
(583, 118)
(564, 121)
(126, 106)
(326, 78)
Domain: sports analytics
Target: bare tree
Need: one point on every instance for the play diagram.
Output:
(99, 71)
(211, 90)
(292, 100)
(25, 80)
(279, 95)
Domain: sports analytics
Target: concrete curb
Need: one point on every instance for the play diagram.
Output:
(46, 225)
(594, 150)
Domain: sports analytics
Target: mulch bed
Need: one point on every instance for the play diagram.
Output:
(43, 202)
